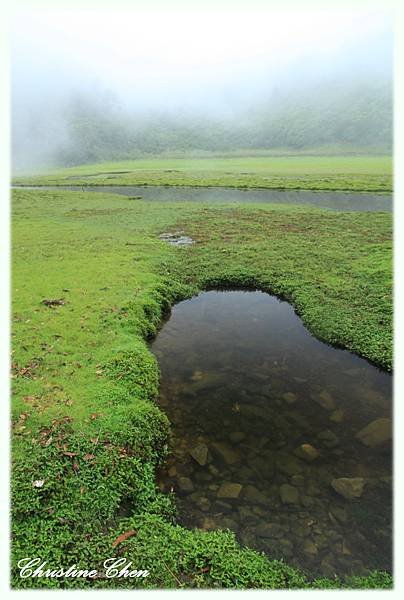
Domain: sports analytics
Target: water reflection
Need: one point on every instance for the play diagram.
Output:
(276, 435)
(337, 201)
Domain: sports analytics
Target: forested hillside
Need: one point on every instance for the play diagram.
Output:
(335, 118)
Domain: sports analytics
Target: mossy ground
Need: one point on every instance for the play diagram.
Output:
(84, 415)
(357, 173)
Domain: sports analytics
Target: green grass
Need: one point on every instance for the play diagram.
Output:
(85, 384)
(357, 173)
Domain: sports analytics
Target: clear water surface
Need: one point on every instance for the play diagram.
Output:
(265, 421)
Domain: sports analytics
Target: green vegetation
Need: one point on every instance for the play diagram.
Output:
(357, 173)
(87, 433)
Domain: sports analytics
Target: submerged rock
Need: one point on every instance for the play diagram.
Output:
(325, 400)
(213, 470)
(289, 465)
(328, 568)
(229, 490)
(289, 397)
(225, 452)
(337, 416)
(307, 452)
(228, 523)
(339, 514)
(253, 495)
(200, 454)
(289, 494)
(209, 380)
(349, 487)
(237, 436)
(297, 480)
(328, 438)
(271, 530)
(209, 523)
(286, 548)
(222, 507)
(203, 503)
(185, 485)
(246, 514)
(308, 501)
(377, 432)
(197, 376)
(264, 466)
(310, 548)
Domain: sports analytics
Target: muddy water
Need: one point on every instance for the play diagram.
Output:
(265, 422)
(338, 201)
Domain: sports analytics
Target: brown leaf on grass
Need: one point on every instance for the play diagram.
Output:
(30, 399)
(53, 302)
(70, 454)
(89, 456)
(124, 536)
(28, 370)
(75, 466)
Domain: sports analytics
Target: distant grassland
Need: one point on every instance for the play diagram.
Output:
(85, 420)
(345, 173)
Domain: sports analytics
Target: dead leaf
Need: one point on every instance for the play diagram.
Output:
(89, 456)
(53, 302)
(124, 536)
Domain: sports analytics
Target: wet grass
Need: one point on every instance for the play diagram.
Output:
(355, 173)
(85, 424)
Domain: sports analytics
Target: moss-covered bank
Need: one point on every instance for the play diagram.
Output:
(87, 432)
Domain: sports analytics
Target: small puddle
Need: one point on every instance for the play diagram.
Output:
(276, 435)
(177, 239)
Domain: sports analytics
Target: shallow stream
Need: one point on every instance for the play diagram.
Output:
(338, 201)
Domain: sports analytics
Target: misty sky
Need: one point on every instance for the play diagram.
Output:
(205, 59)
(220, 64)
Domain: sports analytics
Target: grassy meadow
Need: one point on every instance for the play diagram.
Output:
(91, 283)
(356, 173)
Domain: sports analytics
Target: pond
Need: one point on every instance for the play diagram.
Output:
(276, 436)
(338, 201)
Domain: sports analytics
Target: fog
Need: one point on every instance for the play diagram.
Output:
(89, 85)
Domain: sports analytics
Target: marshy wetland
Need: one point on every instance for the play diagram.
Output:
(276, 436)
(271, 412)
(202, 307)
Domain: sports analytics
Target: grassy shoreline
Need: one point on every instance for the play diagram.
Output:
(85, 420)
(332, 173)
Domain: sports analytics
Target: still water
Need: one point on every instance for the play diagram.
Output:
(338, 201)
(276, 436)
